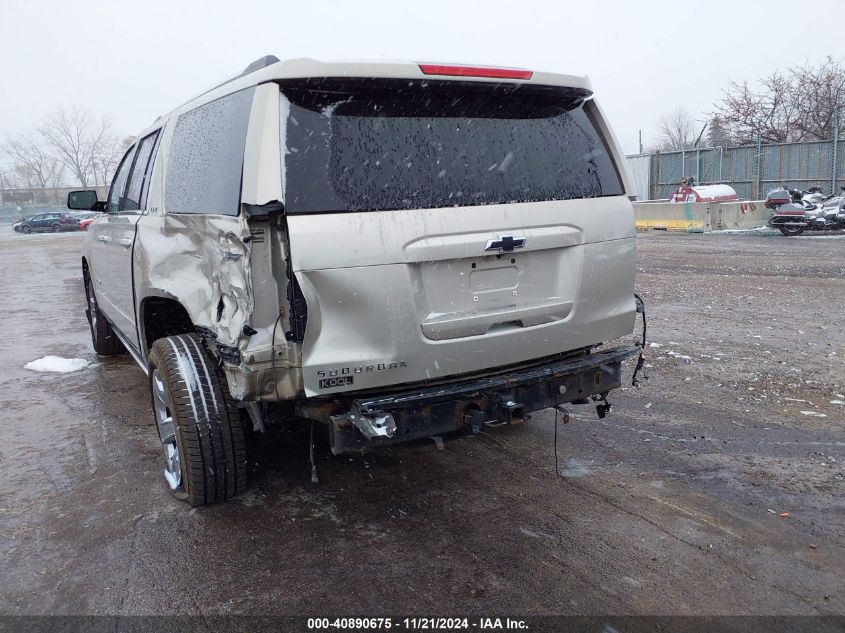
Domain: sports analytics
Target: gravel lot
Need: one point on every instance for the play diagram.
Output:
(671, 505)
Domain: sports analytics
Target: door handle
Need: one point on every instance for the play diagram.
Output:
(104, 238)
(125, 241)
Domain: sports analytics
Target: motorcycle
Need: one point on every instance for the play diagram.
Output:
(794, 211)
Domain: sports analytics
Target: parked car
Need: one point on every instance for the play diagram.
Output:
(82, 215)
(391, 250)
(85, 219)
(17, 223)
(48, 222)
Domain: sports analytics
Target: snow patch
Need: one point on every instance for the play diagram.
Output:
(759, 229)
(534, 533)
(680, 356)
(814, 414)
(574, 468)
(57, 364)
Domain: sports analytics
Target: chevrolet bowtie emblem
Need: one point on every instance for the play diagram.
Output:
(505, 243)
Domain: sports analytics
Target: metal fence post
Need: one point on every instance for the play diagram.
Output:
(835, 151)
(656, 182)
(757, 168)
(698, 166)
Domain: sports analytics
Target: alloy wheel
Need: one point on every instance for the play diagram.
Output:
(166, 432)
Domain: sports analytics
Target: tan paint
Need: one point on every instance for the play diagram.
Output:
(395, 305)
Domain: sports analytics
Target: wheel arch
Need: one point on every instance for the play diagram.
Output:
(161, 315)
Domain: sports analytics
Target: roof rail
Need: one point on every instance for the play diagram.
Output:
(258, 64)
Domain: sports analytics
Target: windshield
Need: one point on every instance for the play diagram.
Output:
(365, 145)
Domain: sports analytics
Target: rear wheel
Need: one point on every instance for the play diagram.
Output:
(792, 230)
(57, 228)
(103, 338)
(199, 427)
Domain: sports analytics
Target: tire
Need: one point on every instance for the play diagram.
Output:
(57, 228)
(789, 230)
(198, 424)
(103, 338)
(26, 229)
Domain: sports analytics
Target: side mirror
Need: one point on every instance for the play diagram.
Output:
(84, 201)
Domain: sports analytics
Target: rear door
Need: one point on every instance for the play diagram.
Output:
(442, 228)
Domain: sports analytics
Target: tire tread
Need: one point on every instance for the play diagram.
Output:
(211, 437)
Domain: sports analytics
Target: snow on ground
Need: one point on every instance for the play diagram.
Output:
(759, 229)
(57, 364)
(768, 231)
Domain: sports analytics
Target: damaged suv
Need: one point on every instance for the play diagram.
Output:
(394, 250)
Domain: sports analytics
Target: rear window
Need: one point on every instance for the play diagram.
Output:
(370, 145)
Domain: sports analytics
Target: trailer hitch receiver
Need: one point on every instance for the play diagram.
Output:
(507, 410)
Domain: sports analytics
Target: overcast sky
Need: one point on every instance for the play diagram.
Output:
(136, 60)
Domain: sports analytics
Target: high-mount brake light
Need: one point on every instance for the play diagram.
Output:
(475, 71)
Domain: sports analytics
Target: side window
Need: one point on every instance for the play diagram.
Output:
(145, 190)
(132, 201)
(119, 182)
(206, 157)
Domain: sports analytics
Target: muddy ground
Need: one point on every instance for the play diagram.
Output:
(672, 505)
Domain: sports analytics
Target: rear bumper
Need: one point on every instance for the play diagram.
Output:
(379, 420)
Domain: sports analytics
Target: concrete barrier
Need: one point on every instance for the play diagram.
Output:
(668, 216)
(741, 215)
(700, 217)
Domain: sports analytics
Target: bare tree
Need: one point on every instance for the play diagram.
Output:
(819, 92)
(676, 130)
(24, 178)
(23, 183)
(78, 139)
(107, 157)
(796, 106)
(30, 157)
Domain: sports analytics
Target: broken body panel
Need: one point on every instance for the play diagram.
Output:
(320, 308)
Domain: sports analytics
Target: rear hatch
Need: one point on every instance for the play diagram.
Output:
(440, 228)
